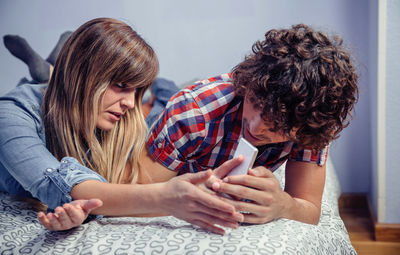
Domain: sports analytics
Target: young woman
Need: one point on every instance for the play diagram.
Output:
(83, 136)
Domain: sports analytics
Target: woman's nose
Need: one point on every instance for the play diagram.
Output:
(129, 100)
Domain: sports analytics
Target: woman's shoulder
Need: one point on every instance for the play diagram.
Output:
(26, 94)
(24, 100)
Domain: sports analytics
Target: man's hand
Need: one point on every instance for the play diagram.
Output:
(259, 186)
(301, 199)
(70, 215)
(184, 200)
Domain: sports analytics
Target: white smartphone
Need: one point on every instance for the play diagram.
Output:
(249, 153)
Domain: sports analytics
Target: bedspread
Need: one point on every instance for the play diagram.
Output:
(22, 234)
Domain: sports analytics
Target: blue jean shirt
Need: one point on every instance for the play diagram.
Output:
(27, 168)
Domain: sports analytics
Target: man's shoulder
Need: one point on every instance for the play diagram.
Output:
(212, 89)
(215, 97)
(223, 78)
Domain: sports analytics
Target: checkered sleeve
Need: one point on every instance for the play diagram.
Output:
(178, 132)
(309, 155)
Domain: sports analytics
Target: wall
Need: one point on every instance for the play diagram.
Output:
(373, 80)
(198, 39)
(384, 106)
(392, 198)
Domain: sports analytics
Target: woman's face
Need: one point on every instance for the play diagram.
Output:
(116, 101)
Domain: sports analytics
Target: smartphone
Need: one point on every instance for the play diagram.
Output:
(249, 153)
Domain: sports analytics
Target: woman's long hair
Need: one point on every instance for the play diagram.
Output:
(100, 53)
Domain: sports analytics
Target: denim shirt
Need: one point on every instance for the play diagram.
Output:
(27, 168)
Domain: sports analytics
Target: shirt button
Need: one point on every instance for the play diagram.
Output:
(49, 170)
(159, 145)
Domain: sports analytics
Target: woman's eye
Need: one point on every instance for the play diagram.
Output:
(120, 85)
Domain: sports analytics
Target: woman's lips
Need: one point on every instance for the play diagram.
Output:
(115, 116)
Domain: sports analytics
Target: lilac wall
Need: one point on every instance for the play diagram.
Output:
(392, 197)
(197, 39)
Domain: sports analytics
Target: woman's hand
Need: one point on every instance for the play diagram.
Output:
(219, 173)
(70, 215)
(184, 200)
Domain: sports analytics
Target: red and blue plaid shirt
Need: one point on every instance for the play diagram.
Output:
(200, 127)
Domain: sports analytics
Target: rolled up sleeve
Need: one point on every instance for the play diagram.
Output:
(25, 159)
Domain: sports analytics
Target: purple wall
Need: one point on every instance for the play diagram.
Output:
(197, 39)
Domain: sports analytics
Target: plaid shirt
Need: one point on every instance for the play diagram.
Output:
(200, 127)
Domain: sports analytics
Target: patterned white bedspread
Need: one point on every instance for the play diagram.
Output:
(21, 233)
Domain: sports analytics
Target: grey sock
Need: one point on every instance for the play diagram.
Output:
(54, 53)
(19, 47)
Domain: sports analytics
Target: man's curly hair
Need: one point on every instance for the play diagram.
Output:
(300, 78)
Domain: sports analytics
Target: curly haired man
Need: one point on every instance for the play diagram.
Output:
(290, 98)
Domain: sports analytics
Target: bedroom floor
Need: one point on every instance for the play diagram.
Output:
(355, 215)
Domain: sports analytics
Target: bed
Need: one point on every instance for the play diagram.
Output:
(21, 233)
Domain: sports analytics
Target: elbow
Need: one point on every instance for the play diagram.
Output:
(314, 219)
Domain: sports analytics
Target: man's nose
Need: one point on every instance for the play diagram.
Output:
(257, 127)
